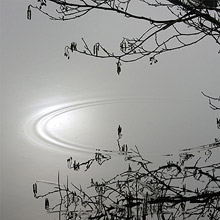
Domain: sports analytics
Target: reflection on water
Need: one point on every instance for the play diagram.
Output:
(80, 126)
(91, 125)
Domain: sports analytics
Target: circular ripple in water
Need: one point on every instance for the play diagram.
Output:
(83, 126)
(91, 126)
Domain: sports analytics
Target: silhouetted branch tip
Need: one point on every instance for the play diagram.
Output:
(201, 19)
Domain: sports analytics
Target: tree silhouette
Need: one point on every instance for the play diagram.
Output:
(186, 188)
(182, 189)
(189, 187)
(184, 23)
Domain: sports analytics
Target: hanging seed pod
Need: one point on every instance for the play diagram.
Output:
(47, 204)
(73, 46)
(129, 168)
(118, 67)
(218, 122)
(118, 70)
(119, 130)
(69, 162)
(123, 46)
(29, 13)
(35, 189)
(96, 49)
(66, 52)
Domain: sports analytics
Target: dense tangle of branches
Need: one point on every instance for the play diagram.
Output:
(185, 22)
(188, 188)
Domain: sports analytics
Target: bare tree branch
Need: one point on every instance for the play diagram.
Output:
(187, 22)
(182, 189)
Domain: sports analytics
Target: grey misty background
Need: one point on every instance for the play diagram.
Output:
(35, 75)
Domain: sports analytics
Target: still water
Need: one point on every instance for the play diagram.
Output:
(87, 126)
(44, 122)
(90, 125)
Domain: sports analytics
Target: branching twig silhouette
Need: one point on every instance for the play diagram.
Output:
(185, 23)
(182, 189)
(186, 188)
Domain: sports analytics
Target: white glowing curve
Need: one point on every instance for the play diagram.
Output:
(37, 126)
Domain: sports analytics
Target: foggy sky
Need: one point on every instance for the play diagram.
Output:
(35, 76)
